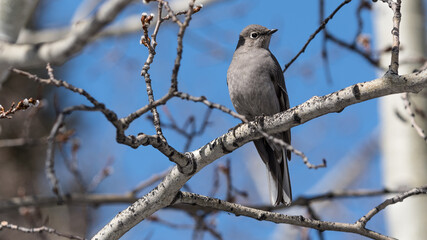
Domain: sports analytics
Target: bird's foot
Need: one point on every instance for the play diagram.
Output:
(260, 119)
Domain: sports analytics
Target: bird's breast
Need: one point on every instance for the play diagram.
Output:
(251, 88)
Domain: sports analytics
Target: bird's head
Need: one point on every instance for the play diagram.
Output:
(255, 36)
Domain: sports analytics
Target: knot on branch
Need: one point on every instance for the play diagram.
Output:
(191, 166)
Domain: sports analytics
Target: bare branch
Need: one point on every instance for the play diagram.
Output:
(407, 103)
(394, 65)
(50, 160)
(172, 14)
(106, 171)
(146, 183)
(399, 198)
(289, 147)
(202, 99)
(157, 219)
(69, 199)
(181, 32)
(71, 164)
(18, 142)
(43, 229)
(21, 106)
(239, 210)
(353, 47)
(313, 215)
(152, 52)
(59, 83)
(312, 36)
(26, 55)
(325, 55)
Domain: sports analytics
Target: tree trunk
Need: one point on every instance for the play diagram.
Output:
(404, 152)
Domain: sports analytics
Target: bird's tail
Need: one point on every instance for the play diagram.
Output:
(277, 168)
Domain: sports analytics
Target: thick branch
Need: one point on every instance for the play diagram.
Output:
(26, 55)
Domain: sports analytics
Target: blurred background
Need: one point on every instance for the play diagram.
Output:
(109, 69)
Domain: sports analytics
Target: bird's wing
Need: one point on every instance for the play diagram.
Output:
(282, 95)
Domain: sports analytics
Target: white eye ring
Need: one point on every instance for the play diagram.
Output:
(254, 35)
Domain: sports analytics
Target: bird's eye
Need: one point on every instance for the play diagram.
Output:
(254, 35)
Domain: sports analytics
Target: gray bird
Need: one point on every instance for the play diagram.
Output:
(257, 87)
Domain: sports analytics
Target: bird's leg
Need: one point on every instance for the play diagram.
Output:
(260, 119)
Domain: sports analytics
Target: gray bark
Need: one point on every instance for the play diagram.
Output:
(404, 152)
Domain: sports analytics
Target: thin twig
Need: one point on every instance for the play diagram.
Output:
(50, 159)
(172, 14)
(315, 216)
(179, 50)
(71, 165)
(146, 183)
(106, 171)
(332, 196)
(110, 115)
(144, 72)
(394, 65)
(50, 162)
(157, 219)
(191, 133)
(407, 104)
(20, 106)
(43, 229)
(325, 55)
(289, 147)
(312, 36)
(353, 47)
(363, 4)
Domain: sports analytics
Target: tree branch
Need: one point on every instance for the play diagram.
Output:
(33, 55)
(6, 225)
(399, 198)
(239, 210)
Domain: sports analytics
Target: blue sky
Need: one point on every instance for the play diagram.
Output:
(109, 69)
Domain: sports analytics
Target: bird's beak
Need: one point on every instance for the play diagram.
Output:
(271, 31)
